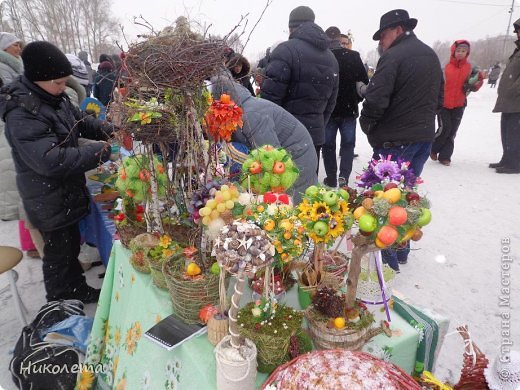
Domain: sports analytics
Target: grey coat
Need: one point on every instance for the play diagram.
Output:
(508, 100)
(10, 68)
(266, 123)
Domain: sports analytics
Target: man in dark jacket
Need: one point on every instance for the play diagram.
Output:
(402, 100)
(508, 103)
(42, 128)
(351, 71)
(302, 75)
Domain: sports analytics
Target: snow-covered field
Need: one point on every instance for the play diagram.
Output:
(456, 268)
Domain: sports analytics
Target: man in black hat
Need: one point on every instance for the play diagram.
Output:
(302, 75)
(402, 99)
(42, 127)
(508, 103)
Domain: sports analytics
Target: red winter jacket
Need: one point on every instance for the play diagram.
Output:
(456, 74)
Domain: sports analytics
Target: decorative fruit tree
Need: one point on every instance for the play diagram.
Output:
(164, 106)
(325, 216)
(390, 213)
(278, 218)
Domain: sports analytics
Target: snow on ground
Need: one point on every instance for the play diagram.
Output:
(455, 269)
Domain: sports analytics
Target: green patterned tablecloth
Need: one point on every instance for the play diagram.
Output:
(130, 304)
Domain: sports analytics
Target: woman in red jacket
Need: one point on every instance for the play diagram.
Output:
(460, 80)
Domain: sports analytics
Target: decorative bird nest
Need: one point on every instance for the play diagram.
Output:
(179, 58)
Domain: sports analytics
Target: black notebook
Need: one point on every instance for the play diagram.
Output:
(172, 332)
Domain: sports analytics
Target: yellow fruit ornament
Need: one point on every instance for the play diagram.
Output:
(193, 269)
(339, 323)
(392, 195)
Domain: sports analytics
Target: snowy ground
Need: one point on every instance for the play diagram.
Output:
(456, 269)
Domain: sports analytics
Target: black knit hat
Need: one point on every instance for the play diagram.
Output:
(300, 15)
(43, 61)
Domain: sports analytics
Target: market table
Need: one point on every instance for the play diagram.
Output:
(130, 304)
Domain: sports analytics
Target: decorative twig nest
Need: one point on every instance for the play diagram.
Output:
(175, 60)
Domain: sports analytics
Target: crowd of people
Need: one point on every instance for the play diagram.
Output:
(307, 88)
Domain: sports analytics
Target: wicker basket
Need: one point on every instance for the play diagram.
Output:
(156, 267)
(159, 129)
(336, 265)
(306, 293)
(128, 231)
(324, 337)
(140, 245)
(334, 369)
(217, 329)
(189, 296)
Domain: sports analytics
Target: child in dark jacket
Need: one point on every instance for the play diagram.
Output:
(42, 127)
(460, 80)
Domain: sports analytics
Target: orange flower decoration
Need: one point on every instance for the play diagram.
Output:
(190, 251)
(223, 117)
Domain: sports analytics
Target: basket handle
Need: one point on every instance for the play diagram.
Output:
(217, 352)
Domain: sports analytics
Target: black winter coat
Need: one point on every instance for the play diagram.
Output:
(351, 70)
(302, 76)
(104, 85)
(404, 95)
(43, 132)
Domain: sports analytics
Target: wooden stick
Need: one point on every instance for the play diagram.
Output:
(362, 246)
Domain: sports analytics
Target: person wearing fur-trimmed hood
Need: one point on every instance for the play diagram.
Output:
(240, 68)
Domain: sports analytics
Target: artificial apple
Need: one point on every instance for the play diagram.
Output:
(411, 196)
(367, 203)
(279, 167)
(389, 186)
(425, 218)
(215, 268)
(368, 194)
(256, 167)
(320, 228)
(392, 195)
(367, 223)
(269, 197)
(312, 191)
(397, 215)
(377, 187)
(387, 235)
(343, 194)
(283, 198)
(330, 198)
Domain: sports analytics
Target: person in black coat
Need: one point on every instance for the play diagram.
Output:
(302, 75)
(42, 128)
(351, 71)
(104, 82)
(402, 100)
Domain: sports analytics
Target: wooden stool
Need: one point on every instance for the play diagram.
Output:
(9, 258)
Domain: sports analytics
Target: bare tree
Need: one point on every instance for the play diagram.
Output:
(73, 25)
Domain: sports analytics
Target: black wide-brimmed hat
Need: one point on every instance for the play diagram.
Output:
(394, 18)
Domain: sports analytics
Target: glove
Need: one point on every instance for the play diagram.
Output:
(361, 89)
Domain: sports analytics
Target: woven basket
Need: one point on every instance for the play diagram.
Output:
(140, 246)
(128, 231)
(272, 349)
(335, 369)
(160, 129)
(217, 329)
(324, 337)
(158, 278)
(337, 265)
(189, 296)
(328, 280)
(181, 233)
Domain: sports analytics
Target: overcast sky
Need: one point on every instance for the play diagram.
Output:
(438, 19)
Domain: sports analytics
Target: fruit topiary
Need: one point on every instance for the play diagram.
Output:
(269, 169)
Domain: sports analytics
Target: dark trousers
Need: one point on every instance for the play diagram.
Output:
(449, 122)
(510, 132)
(347, 131)
(62, 272)
(318, 149)
(417, 153)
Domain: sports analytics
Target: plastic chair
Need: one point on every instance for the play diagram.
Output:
(9, 258)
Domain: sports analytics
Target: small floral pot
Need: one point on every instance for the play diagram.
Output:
(218, 328)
